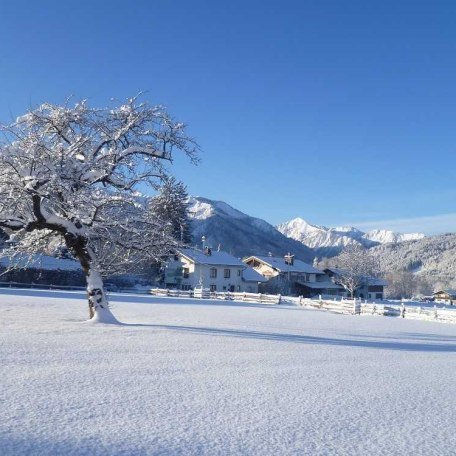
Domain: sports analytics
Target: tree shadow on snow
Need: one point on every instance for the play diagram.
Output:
(310, 340)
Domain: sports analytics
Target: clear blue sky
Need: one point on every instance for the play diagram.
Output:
(336, 111)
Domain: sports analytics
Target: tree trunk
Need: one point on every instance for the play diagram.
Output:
(99, 311)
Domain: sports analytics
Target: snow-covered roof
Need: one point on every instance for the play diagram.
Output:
(279, 264)
(372, 281)
(448, 292)
(215, 258)
(328, 285)
(377, 281)
(250, 275)
(44, 262)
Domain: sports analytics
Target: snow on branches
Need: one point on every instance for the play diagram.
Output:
(355, 265)
(72, 173)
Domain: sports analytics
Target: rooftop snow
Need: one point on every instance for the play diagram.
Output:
(216, 258)
(279, 264)
(250, 275)
(322, 285)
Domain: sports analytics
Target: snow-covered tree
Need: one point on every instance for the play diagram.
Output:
(171, 207)
(355, 265)
(406, 284)
(71, 174)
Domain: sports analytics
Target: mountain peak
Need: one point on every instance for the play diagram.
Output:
(239, 233)
(319, 237)
(390, 237)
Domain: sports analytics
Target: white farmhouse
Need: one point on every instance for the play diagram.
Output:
(293, 277)
(214, 270)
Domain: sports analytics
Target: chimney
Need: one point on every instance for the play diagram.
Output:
(289, 259)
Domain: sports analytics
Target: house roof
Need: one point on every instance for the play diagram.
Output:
(328, 285)
(279, 264)
(250, 275)
(372, 281)
(449, 292)
(215, 258)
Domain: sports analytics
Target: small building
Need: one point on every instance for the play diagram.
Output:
(214, 270)
(371, 287)
(445, 297)
(293, 277)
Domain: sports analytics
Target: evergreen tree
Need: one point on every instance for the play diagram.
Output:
(170, 206)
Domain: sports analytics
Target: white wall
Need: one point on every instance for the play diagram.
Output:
(202, 273)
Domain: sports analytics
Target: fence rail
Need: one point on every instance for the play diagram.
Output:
(356, 307)
(260, 298)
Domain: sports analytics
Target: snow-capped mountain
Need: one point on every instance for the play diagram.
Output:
(239, 233)
(390, 237)
(321, 237)
(317, 237)
(243, 235)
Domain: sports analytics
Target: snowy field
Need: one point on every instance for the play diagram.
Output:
(199, 378)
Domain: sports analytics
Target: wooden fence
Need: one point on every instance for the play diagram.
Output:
(260, 298)
(344, 306)
(356, 307)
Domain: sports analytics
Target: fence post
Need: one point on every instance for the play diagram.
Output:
(300, 300)
(436, 315)
(280, 298)
(356, 307)
(402, 310)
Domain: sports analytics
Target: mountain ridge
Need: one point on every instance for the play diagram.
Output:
(431, 257)
(239, 233)
(321, 237)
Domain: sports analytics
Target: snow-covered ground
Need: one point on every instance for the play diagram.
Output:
(199, 378)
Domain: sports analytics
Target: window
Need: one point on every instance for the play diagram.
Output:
(186, 273)
(239, 273)
(213, 287)
(213, 273)
(186, 287)
(238, 288)
(227, 273)
(232, 288)
(224, 288)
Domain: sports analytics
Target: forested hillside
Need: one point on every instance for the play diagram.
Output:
(433, 258)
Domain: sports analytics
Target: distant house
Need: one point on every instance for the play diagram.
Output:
(372, 287)
(215, 270)
(294, 277)
(445, 297)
